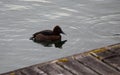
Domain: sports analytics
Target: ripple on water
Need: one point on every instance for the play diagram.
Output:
(15, 7)
(108, 26)
(3, 29)
(43, 1)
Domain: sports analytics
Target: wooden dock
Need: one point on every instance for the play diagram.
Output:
(101, 61)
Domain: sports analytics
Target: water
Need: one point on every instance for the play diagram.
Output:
(89, 24)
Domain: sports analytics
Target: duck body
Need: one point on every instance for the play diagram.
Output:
(48, 35)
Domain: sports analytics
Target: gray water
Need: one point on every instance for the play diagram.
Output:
(89, 24)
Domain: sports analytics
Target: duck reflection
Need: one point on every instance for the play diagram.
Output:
(57, 44)
(49, 37)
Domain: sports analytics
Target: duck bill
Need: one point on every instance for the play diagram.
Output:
(63, 33)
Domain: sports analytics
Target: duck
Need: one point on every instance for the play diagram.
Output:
(48, 35)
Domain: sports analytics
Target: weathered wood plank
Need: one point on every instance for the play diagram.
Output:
(115, 50)
(76, 67)
(97, 65)
(111, 56)
(40, 72)
(114, 61)
(26, 71)
(54, 69)
(105, 55)
(13, 73)
(107, 52)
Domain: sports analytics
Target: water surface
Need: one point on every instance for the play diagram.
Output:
(89, 24)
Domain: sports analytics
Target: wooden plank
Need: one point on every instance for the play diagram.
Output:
(115, 50)
(13, 73)
(40, 72)
(104, 55)
(107, 52)
(31, 71)
(114, 61)
(26, 71)
(110, 56)
(97, 65)
(76, 67)
(54, 69)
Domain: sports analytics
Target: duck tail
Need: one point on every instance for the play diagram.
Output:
(31, 38)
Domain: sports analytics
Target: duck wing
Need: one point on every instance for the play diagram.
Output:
(45, 32)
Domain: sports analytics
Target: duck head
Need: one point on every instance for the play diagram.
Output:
(57, 30)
